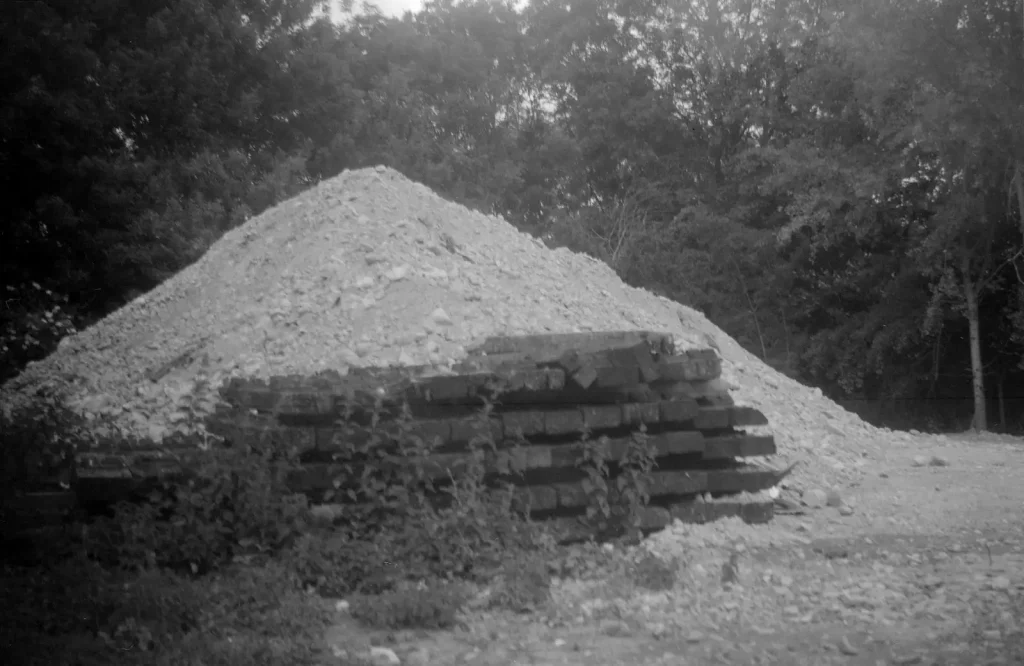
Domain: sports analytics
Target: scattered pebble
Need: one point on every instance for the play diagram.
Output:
(815, 498)
(383, 656)
(439, 316)
(999, 583)
(658, 630)
(397, 273)
(418, 657)
(847, 648)
(615, 628)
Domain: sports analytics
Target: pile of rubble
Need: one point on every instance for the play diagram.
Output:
(370, 269)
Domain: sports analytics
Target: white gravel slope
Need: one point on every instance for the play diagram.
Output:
(369, 268)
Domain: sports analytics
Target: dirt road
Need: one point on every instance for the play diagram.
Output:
(928, 569)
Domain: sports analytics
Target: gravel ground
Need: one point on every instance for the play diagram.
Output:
(927, 569)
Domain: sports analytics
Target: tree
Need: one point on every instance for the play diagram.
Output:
(967, 63)
(134, 134)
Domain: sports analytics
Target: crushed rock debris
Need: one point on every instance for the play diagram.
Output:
(372, 269)
(727, 534)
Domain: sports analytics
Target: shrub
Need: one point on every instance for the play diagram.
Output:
(79, 613)
(470, 536)
(263, 599)
(525, 584)
(161, 602)
(423, 607)
(71, 596)
(336, 564)
(466, 539)
(33, 320)
(38, 444)
(399, 515)
(233, 501)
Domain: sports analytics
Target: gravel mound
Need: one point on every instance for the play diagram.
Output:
(371, 269)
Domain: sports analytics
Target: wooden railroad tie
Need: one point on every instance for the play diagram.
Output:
(545, 394)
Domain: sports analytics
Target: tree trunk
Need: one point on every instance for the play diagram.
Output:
(1002, 403)
(977, 371)
(1019, 176)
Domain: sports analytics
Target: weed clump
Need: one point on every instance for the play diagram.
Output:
(79, 612)
(524, 586)
(234, 503)
(427, 606)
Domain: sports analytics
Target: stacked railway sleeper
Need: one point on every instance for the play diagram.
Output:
(557, 416)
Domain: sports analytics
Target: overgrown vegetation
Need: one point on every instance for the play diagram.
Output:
(421, 607)
(617, 508)
(233, 502)
(77, 612)
(225, 564)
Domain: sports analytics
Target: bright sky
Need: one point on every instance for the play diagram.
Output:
(395, 7)
(398, 7)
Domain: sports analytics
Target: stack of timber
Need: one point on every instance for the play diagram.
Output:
(544, 395)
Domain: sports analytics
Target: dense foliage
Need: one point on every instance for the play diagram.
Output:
(837, 184)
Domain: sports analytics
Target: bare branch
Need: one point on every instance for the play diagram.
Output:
(983, 284)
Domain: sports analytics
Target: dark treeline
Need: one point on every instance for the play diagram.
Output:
(838, 184)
